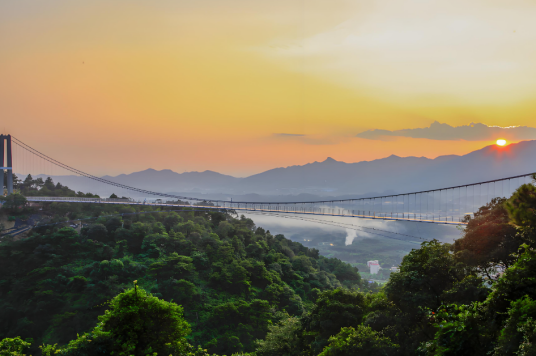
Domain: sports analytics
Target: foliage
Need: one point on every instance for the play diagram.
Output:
(333, 310)
(242, 288)
(518, 335)
(16, 180)
(233, 280)
(13, 346)
(136, 324)
(359, 341)
(427, 275)
(458, 331)
(37, 187)
(503, 323)
(14, 202)
(489, 239)
(521, 206)
(282, 339)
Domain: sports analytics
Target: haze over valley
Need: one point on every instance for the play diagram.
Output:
(329, 178)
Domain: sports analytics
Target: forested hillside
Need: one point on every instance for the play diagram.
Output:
(242, 289)
(233, 279)
(446, 300)
(37, 187)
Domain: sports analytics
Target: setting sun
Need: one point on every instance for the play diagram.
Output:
(501, 142)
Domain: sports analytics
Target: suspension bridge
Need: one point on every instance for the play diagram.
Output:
(446, 205)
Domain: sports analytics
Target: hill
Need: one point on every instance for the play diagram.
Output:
(232, 278)
(243, 289)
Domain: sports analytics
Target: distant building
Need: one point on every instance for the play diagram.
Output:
(394, 269)
(374, 266)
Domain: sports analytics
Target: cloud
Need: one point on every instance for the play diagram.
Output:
(471, 132)
(287, 135)
(424, 50)
(314, 139)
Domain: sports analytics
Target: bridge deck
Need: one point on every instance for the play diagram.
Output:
(316, 212)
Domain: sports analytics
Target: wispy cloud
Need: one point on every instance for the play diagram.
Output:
(287, 135)
(424, 50)
(313, 139)
(471, 132)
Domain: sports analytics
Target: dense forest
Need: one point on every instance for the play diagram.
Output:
(38, 187)
(160, 282)
(233, 279)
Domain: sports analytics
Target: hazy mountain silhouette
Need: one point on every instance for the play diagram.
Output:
(167, 180)
(335, 178)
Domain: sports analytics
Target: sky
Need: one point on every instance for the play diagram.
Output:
(240, 86)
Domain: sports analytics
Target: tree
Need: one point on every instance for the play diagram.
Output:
(231, 277)
(13, 346)
(113, 196)
(171, 220)
(49, 184)
(174, 266)
(359, 341)
(98, 232)
(141, 324)
(333, 310)
(39, 183)
(521, 206)
(17, 183)
(505, 318)
(180, 291)
(14, 202)
(521, 209)
(28, 182)
(489, 239)
(136, 324)
(459, 331)
(136, 235)
(249, 320)
(429, 277)
(113, 224)
(518, 337)
(282, 339)
(425, 277)
(517, 282)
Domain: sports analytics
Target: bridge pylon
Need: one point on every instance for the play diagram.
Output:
(5, 150)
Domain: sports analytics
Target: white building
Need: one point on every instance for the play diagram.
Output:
(374, 266)
(394, 269)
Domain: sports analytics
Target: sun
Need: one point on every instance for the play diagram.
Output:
(501, 142)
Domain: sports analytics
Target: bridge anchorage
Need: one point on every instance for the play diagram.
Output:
(445, 205)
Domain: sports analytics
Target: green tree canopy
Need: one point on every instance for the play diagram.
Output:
(135, 324)
(489, 238)
(13, 346)
(359, 341)
(13, 202)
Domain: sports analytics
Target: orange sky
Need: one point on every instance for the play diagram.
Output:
(113, 87)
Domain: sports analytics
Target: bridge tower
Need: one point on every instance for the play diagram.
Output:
(8, 166)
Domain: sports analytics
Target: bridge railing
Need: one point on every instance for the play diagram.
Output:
(271, 208)
(78, 199)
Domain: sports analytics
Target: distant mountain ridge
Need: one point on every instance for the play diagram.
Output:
(167, 180)
(336, 178)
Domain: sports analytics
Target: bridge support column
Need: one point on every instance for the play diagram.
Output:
(8, 167)
(2, 165)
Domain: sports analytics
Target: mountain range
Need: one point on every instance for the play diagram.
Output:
(331, 178)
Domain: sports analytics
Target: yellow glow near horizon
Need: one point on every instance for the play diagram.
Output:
(501, 142)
